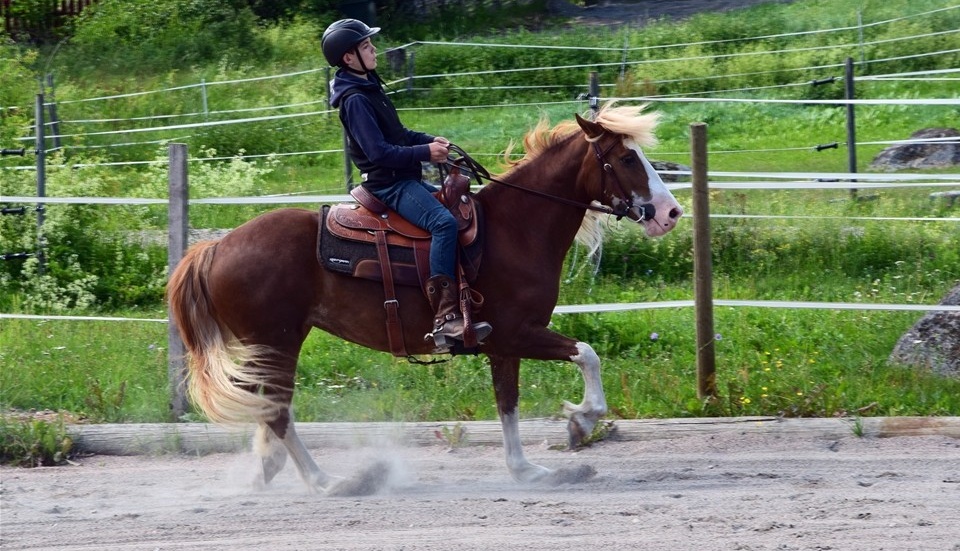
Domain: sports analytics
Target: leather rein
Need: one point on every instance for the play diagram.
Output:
(626, 208)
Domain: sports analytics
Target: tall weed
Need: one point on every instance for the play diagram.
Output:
(33, 443)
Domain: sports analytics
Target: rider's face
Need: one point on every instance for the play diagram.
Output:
(368, 53)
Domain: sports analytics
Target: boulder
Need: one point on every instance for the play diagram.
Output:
(934, 341)
(660, 166)
(921, 155)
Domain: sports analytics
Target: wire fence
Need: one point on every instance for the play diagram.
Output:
(203, 118)
(82, 137)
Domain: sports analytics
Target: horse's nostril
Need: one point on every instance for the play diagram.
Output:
(676, 213)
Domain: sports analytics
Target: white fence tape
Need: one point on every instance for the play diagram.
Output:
(611, 307)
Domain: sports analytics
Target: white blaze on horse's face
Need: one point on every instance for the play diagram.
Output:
(668, 210)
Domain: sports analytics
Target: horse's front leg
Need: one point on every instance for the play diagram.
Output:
(506, 385)
(583, 417)
(506, 388)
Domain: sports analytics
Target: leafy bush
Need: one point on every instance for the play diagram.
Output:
(143, 36)
(17, 89)
(102, 255)
(88, 258)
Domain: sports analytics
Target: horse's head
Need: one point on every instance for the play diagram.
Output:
(620, 176)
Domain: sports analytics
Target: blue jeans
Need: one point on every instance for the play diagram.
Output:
(414, 200)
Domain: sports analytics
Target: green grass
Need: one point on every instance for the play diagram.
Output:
(770, 361)
(101, 371)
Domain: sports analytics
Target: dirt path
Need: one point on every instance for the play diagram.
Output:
(732, 492)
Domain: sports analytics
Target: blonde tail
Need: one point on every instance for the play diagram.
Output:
(226, 377)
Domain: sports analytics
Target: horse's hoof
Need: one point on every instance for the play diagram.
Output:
(576, 433)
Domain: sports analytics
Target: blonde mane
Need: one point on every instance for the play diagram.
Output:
(626, 120)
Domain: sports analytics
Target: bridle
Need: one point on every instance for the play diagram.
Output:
(625, 208)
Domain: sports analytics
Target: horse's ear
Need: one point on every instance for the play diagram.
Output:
(590, 128)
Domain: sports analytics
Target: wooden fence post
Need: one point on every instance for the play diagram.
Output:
(178, 232)
(702, 266)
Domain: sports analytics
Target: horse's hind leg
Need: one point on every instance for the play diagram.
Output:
(283, 429)
(272, 453)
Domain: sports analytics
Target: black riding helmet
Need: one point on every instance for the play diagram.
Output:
(342, 36)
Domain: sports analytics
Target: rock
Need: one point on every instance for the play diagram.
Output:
(660, 166)
(921, 155)
(934, 341)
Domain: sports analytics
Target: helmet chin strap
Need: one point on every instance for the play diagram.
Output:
(365, 71)
(363, 66)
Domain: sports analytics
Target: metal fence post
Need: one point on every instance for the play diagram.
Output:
(851, 123)
(41, 164)
(594, 94)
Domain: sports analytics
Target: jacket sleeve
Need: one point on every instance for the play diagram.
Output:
(364, 129)
(419, 137)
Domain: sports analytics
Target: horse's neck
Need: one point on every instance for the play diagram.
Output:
(553, 173)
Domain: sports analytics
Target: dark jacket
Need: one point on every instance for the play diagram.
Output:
(382, 148)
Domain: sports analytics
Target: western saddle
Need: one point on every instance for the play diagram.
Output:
(366, 239)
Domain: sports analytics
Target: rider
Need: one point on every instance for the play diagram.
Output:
(389, 156)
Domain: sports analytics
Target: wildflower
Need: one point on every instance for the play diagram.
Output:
(654, 336)
(718, 336)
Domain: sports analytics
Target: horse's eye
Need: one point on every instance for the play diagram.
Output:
(630, 158)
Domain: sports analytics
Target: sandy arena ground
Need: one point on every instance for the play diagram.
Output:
(747, 492)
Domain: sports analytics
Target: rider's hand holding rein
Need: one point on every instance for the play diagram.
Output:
(439, 149)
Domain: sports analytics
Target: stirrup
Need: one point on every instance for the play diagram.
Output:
(445, 343)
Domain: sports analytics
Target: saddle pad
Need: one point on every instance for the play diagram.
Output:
(359, 258)
(352, 248)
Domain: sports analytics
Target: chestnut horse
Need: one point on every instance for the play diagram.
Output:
(245, 304)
